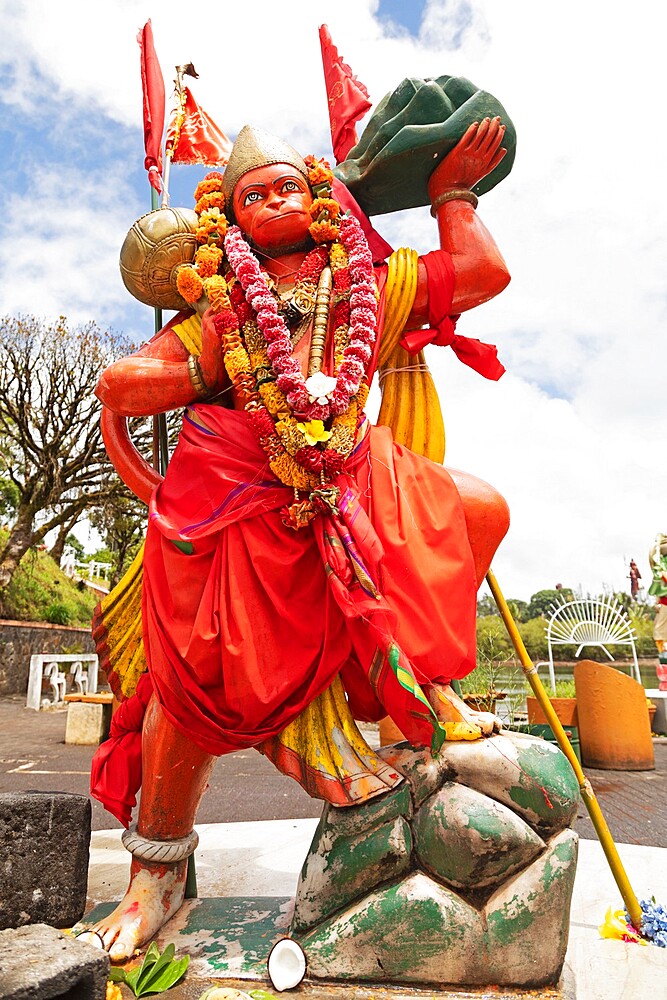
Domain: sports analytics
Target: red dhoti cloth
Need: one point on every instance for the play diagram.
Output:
(246, 621)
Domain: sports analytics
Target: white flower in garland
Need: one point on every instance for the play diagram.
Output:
(319, 387)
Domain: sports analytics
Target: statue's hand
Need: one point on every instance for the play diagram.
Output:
(211, 359)
(474, 156)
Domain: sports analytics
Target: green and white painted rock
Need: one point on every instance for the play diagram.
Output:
(463, 875)
(526, 774)
(427, 932)
(468, 841)
(528, 918)
(347, 867)
(417, 931)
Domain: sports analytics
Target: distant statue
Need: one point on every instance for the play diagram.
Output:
(658, 562)
(635, 577)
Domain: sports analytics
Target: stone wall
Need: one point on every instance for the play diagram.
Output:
(19, 640)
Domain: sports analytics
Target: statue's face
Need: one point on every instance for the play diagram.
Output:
(271, 206)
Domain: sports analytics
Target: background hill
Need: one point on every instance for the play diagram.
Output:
(40, 591)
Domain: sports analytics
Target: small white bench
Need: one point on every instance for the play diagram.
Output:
(45, 669)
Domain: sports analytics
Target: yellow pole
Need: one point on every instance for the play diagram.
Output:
(587, 793)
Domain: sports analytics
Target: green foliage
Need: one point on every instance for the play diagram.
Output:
(643, 626)
(493, 642)
(103, 555)
(518, 609)
(58, 613)
(485, 678)
(157, 973)
(534, 636)
(625, 600)
(565, 689)
(9, 497)
(486, 606)
(497, 669)
(641, 611)
(540, 602)
(38, 585)
(75, 545)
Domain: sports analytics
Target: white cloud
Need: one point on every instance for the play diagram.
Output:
(63, 259)
(573, 434)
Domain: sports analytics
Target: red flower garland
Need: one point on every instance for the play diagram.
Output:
(363, 314)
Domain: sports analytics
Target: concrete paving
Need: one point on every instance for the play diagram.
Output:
(33, 755)
(262, 860)
(255, 851)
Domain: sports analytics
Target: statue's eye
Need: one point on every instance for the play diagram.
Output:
(251, 198)
(289, 186)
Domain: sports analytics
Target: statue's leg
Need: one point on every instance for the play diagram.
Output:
(487, 520)
(175, 774)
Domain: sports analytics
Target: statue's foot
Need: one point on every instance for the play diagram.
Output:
(155, 893)
(450, 708)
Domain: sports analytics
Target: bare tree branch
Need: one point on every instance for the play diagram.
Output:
(50, 440)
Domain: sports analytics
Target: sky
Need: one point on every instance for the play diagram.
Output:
(573, 433)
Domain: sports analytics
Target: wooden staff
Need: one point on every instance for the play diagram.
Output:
(587, 793)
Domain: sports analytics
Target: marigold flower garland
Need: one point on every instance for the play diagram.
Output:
(307, 427)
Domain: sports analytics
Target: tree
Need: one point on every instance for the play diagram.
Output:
(122, 524)
(73, 543)
(518, 609)
(540, 603)
(52, 448)
(486, 606)
(63, 537)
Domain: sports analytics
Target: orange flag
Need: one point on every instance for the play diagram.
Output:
(348, 98)
(153, 88)
(193, 137)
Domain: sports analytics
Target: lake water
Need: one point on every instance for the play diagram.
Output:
(513, 681)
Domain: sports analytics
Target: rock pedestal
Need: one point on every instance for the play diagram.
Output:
(461, 876)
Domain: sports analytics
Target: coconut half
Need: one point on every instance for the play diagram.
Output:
(286, 964)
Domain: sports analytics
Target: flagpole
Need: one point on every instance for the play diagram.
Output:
(171, 146)
(160, 442)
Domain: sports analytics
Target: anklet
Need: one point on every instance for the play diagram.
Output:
(164, 851)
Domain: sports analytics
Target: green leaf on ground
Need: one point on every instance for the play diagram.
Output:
(157, 973)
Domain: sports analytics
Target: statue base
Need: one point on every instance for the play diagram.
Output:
(228, 940)
(461, 876)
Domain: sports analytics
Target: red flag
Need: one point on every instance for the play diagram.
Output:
(347, 97)
(194, 137)
(153, 88)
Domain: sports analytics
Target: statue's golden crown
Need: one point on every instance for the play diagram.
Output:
(256, 148)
